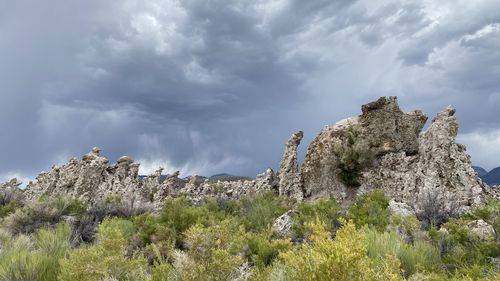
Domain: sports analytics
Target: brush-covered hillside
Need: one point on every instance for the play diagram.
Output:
(254, 238)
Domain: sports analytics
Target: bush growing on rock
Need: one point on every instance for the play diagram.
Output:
(462, 248)
(353, 156)
(489, 212)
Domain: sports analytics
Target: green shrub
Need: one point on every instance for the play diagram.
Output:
(201, 240)
(420, 257)
(408, 226)
(43, 213)
(262, 250)
(220, 266)
(489, 212)
(106, 259)
(8, 208)
(31, 218)
(22, 259)
(10, 200)
(325, 210)
(381, 244)
(353, 156)
(345, 258)
(476, 273)
(464, 249)
(260, 212)
(162, 270)
(176, 216)
(213, 253)
(69, 206)
(371, 209)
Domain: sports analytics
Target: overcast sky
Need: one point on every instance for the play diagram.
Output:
(218, 86)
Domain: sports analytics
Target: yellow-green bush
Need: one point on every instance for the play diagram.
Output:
(262, 250)
(106, 259)
(326, 210)
(213, 253)
(345, 258)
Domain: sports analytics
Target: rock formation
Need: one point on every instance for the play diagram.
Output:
(92, 180)
(289, 175)
(405, 164)
(482, 229)
(12, 184)
(383, 148)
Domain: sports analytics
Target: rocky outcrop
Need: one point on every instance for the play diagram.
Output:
(400, 209)
(92, 180)
(405, 164)
(289, 175)
(383, 148)
(11, 184)
(441, 168)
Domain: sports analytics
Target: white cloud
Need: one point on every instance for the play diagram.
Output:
(484, 146)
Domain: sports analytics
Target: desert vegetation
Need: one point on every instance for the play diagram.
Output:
(65, 239)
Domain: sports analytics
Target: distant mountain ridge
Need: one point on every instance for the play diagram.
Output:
(491, 178)
(479, 170)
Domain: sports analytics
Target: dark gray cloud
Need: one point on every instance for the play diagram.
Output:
(217, 86)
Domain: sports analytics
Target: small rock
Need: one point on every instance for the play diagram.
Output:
(400, 209)
(482, 229)
(283, 224)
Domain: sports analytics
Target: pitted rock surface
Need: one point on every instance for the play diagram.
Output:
(289, 175)
(92, 180)
(407, 164)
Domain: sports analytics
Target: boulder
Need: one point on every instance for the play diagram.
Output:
(282, 226)
(482, 229)
(400, 209)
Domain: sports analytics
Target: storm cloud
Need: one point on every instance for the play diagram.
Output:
(218, 86)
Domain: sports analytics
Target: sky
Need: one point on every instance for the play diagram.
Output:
(216, 86)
